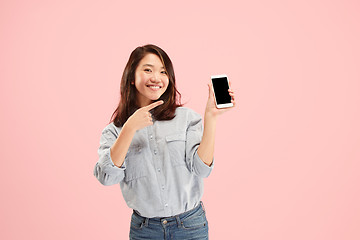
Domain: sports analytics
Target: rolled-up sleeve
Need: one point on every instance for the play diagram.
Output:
(193, 138)
(105, 170)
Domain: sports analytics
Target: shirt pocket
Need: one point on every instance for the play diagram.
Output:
(135, 164)
(176, 144)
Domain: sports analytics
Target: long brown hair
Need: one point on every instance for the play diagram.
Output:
(127, 104)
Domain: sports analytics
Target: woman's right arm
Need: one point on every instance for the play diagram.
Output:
(109, 169)
(105, 170)
(140, 119)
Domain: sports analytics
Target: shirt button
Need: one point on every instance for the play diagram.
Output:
(150, 136)
(163, 187)
(158, 169)
(155, 152)
(166, 205)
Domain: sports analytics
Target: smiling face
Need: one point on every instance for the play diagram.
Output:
(151, 80)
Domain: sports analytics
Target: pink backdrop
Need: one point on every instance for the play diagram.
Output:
(287, 158)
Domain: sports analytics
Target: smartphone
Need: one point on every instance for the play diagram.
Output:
(220, 85)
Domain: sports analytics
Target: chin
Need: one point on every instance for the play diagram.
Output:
(155, 98)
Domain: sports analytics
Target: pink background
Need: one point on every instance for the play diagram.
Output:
(287, 157)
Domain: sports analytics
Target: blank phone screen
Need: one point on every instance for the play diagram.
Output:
(221, 90)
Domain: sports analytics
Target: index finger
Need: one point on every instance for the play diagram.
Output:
(153, 105)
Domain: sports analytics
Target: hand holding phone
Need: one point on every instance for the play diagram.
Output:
(220, 84)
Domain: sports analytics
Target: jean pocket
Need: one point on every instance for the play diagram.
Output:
(195, 222)
(137, 223)
(176, 144)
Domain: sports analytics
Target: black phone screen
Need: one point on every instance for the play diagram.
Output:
(221, 87)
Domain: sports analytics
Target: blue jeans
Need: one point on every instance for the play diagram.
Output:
(188, 225)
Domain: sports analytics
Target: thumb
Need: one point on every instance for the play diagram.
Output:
(211, 91)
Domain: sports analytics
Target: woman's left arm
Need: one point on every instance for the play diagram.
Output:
(206, 148)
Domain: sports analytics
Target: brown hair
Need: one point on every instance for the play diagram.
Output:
(127, 104)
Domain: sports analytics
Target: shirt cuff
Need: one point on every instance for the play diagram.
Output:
(201, 168)
(111, 168)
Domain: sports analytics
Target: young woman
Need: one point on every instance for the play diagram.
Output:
(158, 151)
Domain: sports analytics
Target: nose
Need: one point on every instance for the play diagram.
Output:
(155, 78)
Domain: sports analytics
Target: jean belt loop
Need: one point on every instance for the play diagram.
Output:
(146, 222)
(202, 205)
(178, 220)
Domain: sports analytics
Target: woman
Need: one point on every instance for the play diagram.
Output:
(158, 151)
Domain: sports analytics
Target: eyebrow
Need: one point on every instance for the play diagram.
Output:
(150, 65)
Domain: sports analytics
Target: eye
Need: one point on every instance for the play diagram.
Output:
(164, 72)
(147, 70)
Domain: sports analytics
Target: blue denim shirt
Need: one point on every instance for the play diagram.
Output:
(162, 174)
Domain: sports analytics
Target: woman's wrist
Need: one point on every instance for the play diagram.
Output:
(210, 116)
(128, 128)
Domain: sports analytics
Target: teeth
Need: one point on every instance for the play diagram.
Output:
(155, 87)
